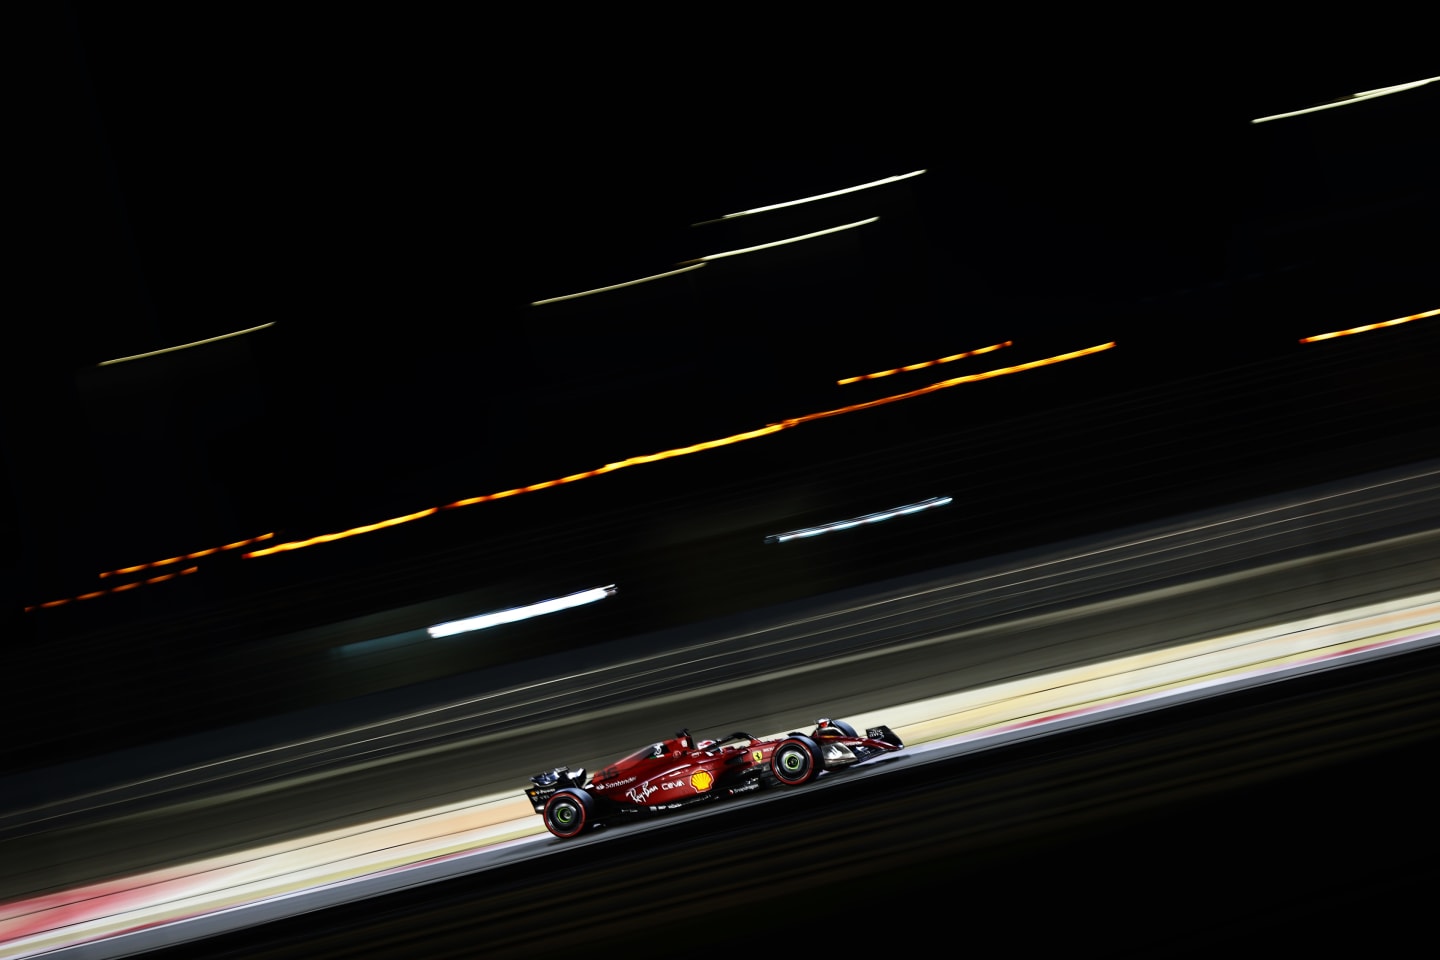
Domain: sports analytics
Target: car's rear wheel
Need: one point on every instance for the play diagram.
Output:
(796, 761)
(569, 812)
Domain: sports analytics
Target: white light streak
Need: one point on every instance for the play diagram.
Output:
(818, 196)
(781, 243)
(868, 518)
(1352, 98)
(617, 286)
(184, 346)
(485, 620)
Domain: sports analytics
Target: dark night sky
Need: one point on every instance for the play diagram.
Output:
(391, 191)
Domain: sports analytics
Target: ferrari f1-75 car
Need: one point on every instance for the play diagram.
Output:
(681, 771)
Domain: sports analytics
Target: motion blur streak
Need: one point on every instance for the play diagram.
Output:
(928, 363)
(781, 243)
(188, 556)
(857, 521)
(970, 717)
(1352, 98)
(680, 451)
(621, 464)
(116, 589)
(945, 384)
(617, 286)
(818, 196)
(926, 617)
(186, 346)
(1370, 326)
(352, 532)
(514, 614)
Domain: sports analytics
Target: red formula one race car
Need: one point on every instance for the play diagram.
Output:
(682, 771)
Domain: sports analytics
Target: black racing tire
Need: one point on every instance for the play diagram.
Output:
(569, 813)
(796, 761)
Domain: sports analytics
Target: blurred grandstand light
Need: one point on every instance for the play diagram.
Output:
(617, 286)
(485, 620)
(186, 346)
(1349, 99)
(818, 196)
(858, 521)
(1370, 326)
(928, 363)
(781, 243)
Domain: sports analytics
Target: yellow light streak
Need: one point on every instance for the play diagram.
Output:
(617, 286)
(819, 196)
(1370, 326)
(928, 363)
(342, 534)
(679, 451)
(185, 346)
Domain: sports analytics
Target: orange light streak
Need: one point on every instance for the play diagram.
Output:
(116, 589)
(1370, 326)
(188, 556)
(679, 451)
(927, 363)
(946, 384)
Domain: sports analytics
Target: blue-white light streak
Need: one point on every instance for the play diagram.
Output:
(858, 521)
(486, 620)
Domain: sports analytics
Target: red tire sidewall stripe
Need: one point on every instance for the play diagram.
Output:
(781, 777)
(579, 805)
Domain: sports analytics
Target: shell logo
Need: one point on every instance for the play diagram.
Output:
(701, 780)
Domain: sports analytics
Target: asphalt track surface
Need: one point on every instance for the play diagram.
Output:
(1296, 815)
(1304, 554)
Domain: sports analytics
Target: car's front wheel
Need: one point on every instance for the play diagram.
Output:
(569, 812)
(796, 761)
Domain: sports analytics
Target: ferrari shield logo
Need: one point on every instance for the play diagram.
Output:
(758, 755)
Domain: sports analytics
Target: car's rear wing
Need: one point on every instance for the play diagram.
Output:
(543, 785)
